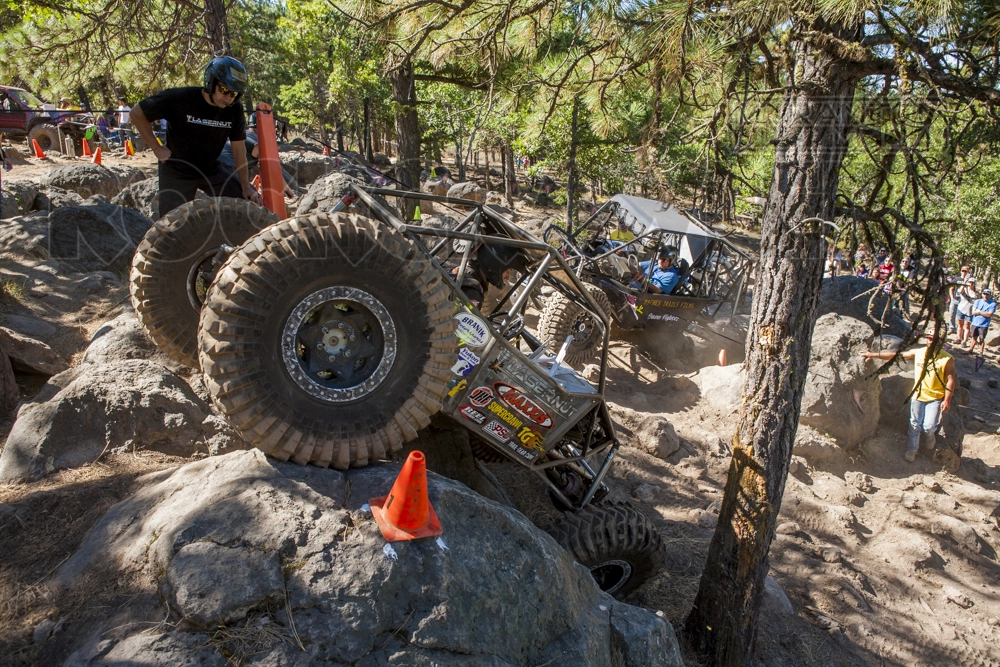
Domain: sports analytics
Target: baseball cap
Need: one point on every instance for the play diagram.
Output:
(987, 291)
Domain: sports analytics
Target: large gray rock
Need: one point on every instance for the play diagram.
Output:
(117, 407)
(722, 386)
(18, 197)
(894, 399)
(123, 338)
(850, 296)
(841, 399)
(127, 174)
(52, 197)
(88, 179)
(200, 532)
(142, 196)
(308, 167)
(467, 190)
(96, 236)
(324, 194)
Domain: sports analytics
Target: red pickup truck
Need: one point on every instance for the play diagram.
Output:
(22, 114)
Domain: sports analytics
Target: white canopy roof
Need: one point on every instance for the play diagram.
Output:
(652, 214)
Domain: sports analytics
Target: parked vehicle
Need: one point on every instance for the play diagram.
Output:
(24, 115)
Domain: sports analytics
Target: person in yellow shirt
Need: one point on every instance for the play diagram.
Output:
(933, 394)
(621, 233)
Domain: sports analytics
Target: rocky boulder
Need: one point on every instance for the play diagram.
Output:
(127, 175)
(142, 196)
(96, 236)
(307, 167)
(89, 179)
(245, 541)
(324, 194)
(841, 400)
(52, 197)
(722, 386)
(117, 407)
(18, 197)
(467, 190)
(850, 296)
(26, 235)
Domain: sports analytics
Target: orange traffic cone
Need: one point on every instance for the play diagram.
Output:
(723, 358)
(256, 182)
(97, 156)
(39, 153)
(128, 147)
(86, 148)
(326, 151)
(406, 513)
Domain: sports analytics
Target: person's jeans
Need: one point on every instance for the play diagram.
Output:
(952, 308)
(924, 418)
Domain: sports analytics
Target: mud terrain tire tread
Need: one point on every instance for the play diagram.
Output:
(557, 322)
(604, 532)
(246, 310)
(47, 136)
(158, 281)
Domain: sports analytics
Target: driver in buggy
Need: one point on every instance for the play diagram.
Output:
(491, 264)
(665, 274)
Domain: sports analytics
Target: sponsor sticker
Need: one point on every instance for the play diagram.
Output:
(520, 451)
(530, 439)
(472, 414)
(457, 387)
(462, 368)
(481, 397)
(472, 330)
(510, 366)
(522, 405)
(666, 317)
(504, 414)
(497, 431)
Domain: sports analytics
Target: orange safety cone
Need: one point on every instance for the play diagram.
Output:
(97, 156)
(256, 182)
(722, 357)
(86, 148)
(406, 513)
(39, 153)
(326, 151)
(128, 147)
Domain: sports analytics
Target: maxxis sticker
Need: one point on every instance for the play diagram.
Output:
(522, 405)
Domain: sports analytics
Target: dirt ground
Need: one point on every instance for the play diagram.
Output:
(901, 570)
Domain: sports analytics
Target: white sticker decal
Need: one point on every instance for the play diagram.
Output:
(472, 331)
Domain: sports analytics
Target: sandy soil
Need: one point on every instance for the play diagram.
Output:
(901, 571)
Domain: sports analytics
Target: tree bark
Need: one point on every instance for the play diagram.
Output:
(217, 27)
(369, 153)
(10, 393)
(404, 94)
(510, 177)
(571, 181)
(811, 142)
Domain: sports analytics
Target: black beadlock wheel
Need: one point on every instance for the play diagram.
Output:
(47, 136)
(328, 340)
(619, 545)
(176, 262)
(560, 319)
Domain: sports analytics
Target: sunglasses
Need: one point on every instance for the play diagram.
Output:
(226, 91)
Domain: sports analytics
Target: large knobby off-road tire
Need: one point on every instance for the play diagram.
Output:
(176, 261)
(615, 541)
(560, 319)
(46, 135)
(328, 339)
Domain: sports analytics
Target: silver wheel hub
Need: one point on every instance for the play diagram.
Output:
(339, 344)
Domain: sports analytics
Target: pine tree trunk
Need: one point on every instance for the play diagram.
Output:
(510, 177)
(811, 142)
(571, 181)
(217, 27)
(404, 94)
(369, 153)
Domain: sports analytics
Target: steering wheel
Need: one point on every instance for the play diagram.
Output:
(633, 263)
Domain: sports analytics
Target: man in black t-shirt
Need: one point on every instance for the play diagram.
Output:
(199, 122)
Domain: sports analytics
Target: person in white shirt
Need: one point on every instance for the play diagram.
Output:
(123, 116)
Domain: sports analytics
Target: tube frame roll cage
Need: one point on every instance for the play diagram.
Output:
(560, 451)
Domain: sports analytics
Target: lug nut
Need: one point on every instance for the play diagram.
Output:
(319, 346)
(347, 353)
(325, 330)
(340, 325)
(351, 337)
(330, 358)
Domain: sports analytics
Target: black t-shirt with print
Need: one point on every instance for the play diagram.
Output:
(196, 130)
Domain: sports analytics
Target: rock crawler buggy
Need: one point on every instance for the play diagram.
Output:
(333, 338)
(713, 273)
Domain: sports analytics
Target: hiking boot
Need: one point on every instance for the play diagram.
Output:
(910, 455)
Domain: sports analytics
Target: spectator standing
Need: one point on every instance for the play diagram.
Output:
(124, 117)
(982, 312)
(956, 284)
(199, 121)
(963, 314)
(934, 391)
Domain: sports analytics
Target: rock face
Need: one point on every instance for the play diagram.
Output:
(467, 190)
(308, 167)
(722, 386)
(324, 194)
(840, 400)
(18, 197)
(52, 197)
(120, 406)
(142, 196)
(841, 295)
(226, 540)
(89, 179)
(96, 236)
